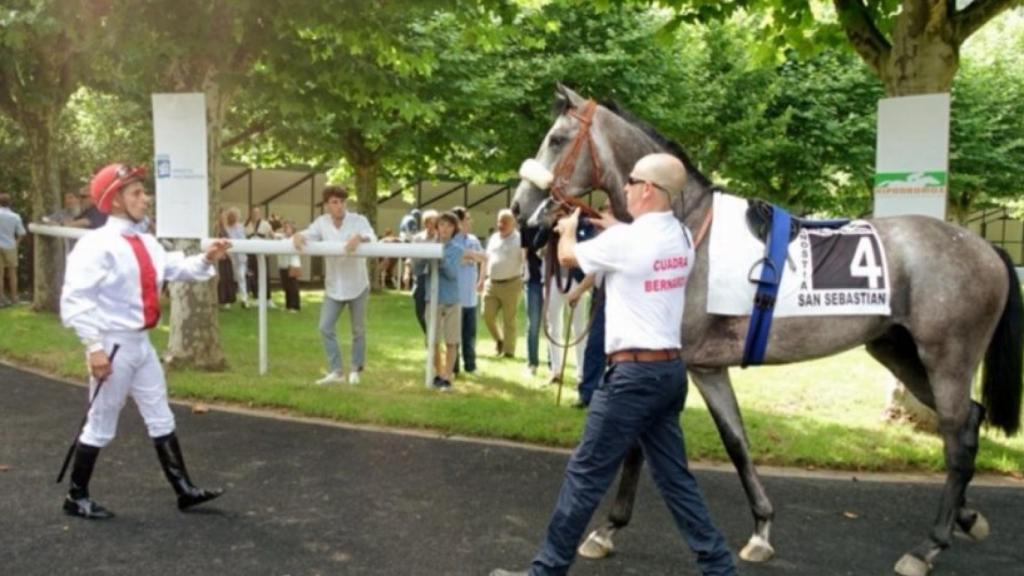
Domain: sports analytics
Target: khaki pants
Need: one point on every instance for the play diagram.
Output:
(503, 296)
(8, 271)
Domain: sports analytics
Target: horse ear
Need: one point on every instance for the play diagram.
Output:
(575, 100)
(565, 99)
(561, 104)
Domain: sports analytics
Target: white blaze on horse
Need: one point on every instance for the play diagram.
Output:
(955, 304)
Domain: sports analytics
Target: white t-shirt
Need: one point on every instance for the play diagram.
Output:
(345, 277)
(504, 256)
(646, 265)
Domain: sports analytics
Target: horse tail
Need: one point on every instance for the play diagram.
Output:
(1002, 376)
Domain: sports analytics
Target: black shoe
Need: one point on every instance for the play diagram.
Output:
(445, 386)
(169, 452)
(86, 508)
(580, 405)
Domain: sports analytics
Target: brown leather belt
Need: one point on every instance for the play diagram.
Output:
(639, 355)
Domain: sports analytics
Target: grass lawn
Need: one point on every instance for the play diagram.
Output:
(822, 414)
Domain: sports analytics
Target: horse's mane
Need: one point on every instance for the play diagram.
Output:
(671, 146)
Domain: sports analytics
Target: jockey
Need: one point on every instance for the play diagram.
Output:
(111, 297)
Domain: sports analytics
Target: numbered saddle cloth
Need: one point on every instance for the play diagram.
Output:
(829, 272)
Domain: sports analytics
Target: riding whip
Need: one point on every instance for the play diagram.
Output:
(74, 441)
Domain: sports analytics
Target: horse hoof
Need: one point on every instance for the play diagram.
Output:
(757, 550)
(911, 565)
(596, 546)
(979, 530)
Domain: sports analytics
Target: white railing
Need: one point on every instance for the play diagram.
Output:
(263, 248)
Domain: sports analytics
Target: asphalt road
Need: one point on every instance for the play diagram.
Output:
(310, 499)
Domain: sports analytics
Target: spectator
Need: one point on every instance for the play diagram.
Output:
(234, 230)
(503, 283)
(258, 227)
(290, 269)
(12, 231)
(469, 286)
(409, 226)
(71, 209)
(90, 217)
(387, 268)
(421, 268)
(226, 285)
(558, 306)
(534, 299)
(593, 354)
(346, 281)
(449, 316)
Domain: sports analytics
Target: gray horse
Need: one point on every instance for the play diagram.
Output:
(956, 302)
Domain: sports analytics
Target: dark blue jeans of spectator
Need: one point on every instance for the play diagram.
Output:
(467, 350)
(636, 402)
(419, 297)
(593, 354)
(534, 300)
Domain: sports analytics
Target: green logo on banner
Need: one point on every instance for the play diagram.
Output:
(911, 181)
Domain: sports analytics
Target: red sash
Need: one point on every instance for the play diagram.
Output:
(147, 280)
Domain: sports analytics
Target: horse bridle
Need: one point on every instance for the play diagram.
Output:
(567, 165)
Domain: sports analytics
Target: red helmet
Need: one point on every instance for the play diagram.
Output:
(109, 180)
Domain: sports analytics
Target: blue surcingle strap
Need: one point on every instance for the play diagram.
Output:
(772, 266)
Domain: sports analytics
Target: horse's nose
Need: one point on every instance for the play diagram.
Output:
(515, 208)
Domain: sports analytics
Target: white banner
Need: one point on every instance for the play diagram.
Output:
(912, 161)
(182, 184)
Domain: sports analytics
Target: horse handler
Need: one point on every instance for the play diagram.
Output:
(646, 265)
(111, 297)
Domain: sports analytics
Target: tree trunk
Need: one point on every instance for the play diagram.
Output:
(195, 330)
(365, 159)
(925, 53)
(366, 191)
(48, 253)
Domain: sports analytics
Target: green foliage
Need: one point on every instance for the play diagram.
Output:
(97, 129)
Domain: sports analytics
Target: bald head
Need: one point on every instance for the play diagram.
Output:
(665, 171)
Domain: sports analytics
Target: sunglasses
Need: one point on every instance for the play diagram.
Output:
(630, 181)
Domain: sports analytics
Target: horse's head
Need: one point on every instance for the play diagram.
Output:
(592, 147)
(576, 157)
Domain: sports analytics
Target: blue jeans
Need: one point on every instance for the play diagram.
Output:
(468, 349)
(636, 402)
(329, 312)
(534, 300)
(593, 354)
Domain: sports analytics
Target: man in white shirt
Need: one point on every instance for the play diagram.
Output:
(346, 281)
(111, 298)
(646, 265)
(12, 231)
(503, 283)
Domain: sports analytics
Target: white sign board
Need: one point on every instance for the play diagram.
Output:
(912, 161)
(182, 185)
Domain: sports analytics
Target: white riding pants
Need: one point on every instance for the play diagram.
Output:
(136, 372)
(558, 307)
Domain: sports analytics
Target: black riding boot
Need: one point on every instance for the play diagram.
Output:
(169, 452)
(77, 502)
